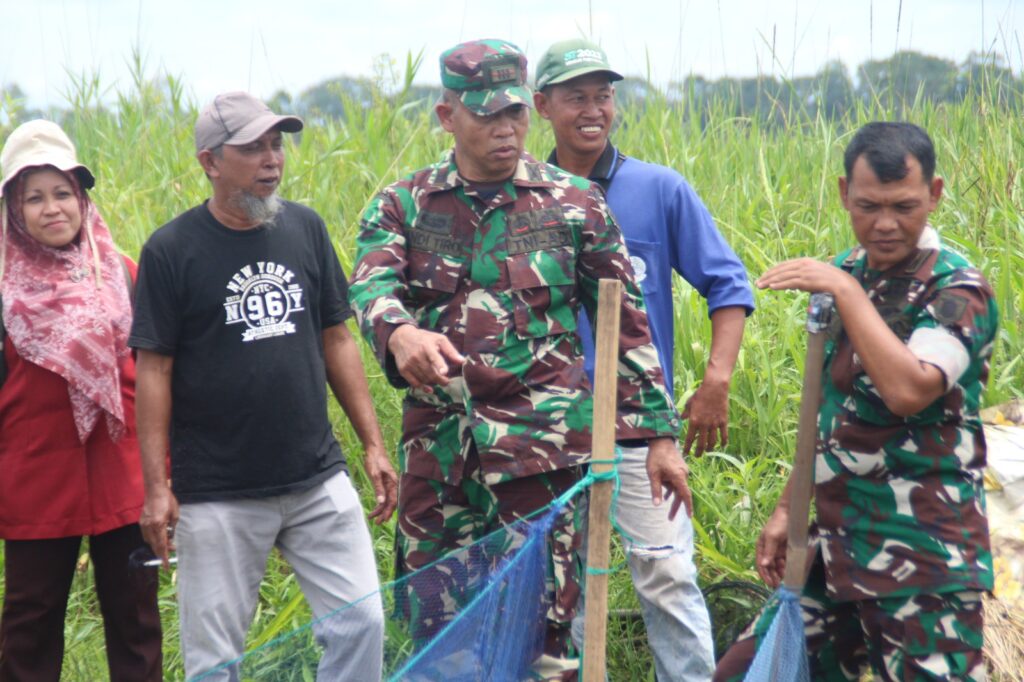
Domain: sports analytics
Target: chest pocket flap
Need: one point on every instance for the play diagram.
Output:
(541, 251)
(541, 268)
(435, 257)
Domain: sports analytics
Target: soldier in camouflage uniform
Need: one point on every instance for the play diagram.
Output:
(904, 551)
(468, 285)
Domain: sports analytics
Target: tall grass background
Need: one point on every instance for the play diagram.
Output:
(771, 188)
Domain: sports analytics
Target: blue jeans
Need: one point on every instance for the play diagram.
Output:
(660, 557)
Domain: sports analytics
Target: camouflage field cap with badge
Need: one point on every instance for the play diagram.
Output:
(489, 75)
(570, 59)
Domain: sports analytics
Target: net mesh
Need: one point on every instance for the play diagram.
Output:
(475, 614)
(782, 655)
(498, 589)
(498, 629)
(479, 613)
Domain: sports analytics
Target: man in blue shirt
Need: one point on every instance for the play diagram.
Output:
(666, 228)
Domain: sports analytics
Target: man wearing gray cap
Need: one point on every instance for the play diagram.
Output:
(240, 316)
(666, 228)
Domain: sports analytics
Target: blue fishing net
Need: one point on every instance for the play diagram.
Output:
(498, 630)
(476, 614)
(782, 655)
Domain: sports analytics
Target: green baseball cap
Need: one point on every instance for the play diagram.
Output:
(489, 75)
(569, 59)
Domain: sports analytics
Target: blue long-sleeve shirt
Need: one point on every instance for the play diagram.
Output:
(666, 227)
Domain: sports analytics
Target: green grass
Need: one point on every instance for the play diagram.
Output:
(771, 188)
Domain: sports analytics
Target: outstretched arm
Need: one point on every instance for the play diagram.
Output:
(423, 357)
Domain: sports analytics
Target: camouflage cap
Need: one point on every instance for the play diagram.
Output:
(489, 75)
(570, 59)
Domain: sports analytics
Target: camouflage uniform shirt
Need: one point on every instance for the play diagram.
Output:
(900, 503)
(503, 277)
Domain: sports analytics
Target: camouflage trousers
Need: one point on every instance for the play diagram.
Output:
(436, 519)
(920, 637)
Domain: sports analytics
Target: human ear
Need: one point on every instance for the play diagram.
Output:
(844, 192)
(540, 103)
(444, 113)
(935, 190)
(208, 160)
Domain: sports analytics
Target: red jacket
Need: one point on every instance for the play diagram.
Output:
(51, 485)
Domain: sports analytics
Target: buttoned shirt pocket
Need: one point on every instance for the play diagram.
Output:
(543, 286)
(436, 260)
(432, 275)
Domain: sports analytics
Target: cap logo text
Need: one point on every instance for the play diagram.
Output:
(583, 55)
(499, 71)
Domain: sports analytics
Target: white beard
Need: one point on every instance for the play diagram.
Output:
(260, 210)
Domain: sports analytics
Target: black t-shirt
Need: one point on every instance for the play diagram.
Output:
(242, 312)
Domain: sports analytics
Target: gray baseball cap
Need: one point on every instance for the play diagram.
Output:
(238, 118)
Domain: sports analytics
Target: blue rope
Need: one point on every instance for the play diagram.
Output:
(611, 475)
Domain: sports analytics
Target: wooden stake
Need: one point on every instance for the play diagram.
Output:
(806, 437)
(609, 307)
(803, 466)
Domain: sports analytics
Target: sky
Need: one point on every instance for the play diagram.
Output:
(263, 47)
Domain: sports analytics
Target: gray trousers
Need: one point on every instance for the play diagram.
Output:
(222, 556)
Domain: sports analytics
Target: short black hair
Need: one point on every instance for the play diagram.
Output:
(885, 145)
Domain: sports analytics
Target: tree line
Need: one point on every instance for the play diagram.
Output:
(897, 82)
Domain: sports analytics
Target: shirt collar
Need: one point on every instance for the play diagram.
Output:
(603, 170)
(529, 173)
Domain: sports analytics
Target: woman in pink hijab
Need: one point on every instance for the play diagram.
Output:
(69, 462)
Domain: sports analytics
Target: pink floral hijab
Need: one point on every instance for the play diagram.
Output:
(67, 309)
